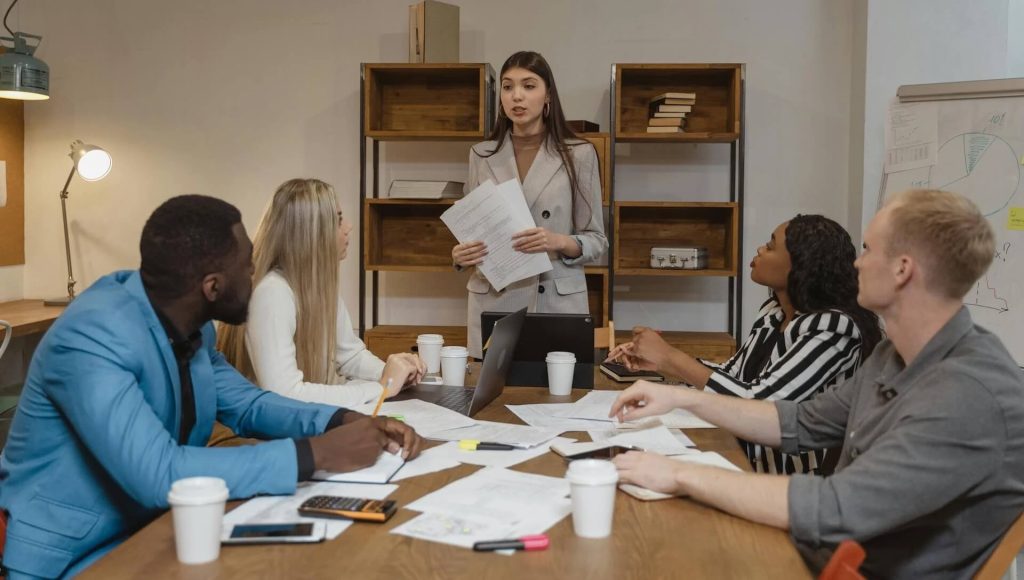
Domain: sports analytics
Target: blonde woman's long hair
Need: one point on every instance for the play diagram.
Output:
(297, 238)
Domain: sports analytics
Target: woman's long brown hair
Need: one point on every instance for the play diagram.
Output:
(560, 138)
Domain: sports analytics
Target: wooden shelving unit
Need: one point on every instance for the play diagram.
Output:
(638, 226)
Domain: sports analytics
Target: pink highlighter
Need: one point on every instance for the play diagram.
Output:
(527, 543)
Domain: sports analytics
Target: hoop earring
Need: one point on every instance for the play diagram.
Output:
(546, 110)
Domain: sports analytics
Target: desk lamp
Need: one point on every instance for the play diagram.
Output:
(93, 164)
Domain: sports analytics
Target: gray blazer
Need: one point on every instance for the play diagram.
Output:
(563, 289)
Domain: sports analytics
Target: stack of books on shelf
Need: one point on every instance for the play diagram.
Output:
(406, 189)
(668, 112)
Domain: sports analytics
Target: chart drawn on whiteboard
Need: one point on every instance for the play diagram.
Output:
(981, 143)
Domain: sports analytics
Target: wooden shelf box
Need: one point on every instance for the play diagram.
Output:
(640, 226)
(428, 101)
(603, 145)
(407, 236)
(597, 293)
(715, 116)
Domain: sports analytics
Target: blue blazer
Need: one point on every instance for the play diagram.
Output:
(92, 452)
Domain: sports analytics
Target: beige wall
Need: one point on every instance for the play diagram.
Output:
(230, 98)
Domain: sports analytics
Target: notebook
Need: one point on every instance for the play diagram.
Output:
(381, 472)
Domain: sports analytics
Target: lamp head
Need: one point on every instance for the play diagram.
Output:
(91, 162)
(22, 75)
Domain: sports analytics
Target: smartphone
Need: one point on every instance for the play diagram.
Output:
(293, 533)
(602, 453)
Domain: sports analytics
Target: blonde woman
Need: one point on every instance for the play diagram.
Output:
(298, 340)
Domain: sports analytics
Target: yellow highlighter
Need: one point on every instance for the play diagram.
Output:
(474, 445)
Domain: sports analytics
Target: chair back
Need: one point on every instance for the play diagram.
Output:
(8, 332)
(1011, 545)
(844, 562)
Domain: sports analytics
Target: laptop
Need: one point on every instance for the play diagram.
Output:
(543, 333)
(494, 371)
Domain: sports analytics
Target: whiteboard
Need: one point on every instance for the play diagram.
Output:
(980, 155)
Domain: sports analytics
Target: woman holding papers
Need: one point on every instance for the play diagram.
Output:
(298, 340)
(810, 334)
(560, 179)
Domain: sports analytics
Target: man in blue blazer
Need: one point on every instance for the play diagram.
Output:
(123, 391)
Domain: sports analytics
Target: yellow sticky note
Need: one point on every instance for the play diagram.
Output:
(1016, 219)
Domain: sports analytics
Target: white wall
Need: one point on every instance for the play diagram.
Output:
(230, 98)
(925, 41)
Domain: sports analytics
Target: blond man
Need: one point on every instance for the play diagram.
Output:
(932, 425)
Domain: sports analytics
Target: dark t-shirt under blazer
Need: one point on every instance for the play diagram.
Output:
(932, 471)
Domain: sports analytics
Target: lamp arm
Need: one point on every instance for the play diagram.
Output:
(67, 239)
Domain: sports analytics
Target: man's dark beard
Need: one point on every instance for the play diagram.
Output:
(231, 309)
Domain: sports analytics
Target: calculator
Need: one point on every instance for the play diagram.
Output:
(349, 508)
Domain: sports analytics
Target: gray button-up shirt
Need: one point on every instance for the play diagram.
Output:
(932, 469)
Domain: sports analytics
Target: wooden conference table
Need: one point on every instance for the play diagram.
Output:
(676, 538)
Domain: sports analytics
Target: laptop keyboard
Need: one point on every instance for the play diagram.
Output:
(456, 399)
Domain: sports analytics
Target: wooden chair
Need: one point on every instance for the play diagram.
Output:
(999, 562)
(844, 562)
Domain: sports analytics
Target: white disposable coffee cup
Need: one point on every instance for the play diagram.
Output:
(197, 507)
(593, 483)
(429, 346)
(561, 366)
(453, 365)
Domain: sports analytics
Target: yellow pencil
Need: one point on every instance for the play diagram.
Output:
(380, 401)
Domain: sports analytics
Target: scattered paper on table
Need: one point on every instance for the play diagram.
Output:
(429, 461)
(285, 509)
(492, 432)
(422, 416)
(675, 419)
(658, 439)
(491, 504)
(504, 458)
(380, 472)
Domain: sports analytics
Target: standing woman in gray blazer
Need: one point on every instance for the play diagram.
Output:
(561, 180)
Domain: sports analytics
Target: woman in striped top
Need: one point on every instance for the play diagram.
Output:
(810, 334)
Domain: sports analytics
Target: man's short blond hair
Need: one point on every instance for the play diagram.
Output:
(947, 233)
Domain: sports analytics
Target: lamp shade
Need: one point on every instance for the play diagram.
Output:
(22, 75)
(91, 162)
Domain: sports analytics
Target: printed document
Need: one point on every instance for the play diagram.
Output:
(492, 214)
(492, 503)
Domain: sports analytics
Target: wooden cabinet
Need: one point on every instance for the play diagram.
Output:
(716, 118)
(640, 226)
(406, 102)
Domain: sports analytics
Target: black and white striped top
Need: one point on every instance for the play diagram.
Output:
(815, 352)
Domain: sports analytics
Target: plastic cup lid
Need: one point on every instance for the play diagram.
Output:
(454, 351)
(560, 356)
(592, 472)
(430, 339)
(198, 491)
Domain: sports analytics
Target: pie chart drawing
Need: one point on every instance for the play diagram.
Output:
(981, 166)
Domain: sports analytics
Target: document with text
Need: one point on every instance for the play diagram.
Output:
(493, 214)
